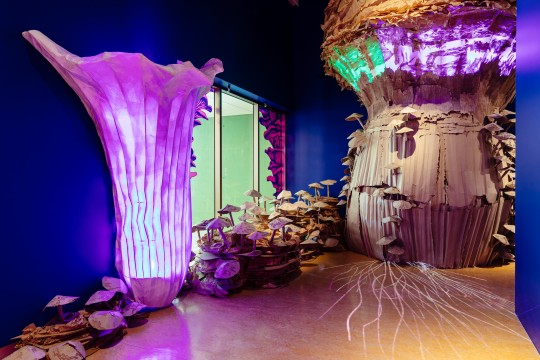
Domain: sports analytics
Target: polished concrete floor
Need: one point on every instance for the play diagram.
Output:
(400, 314)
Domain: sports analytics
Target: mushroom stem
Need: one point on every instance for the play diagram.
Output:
(328, 190)
(254, 200)
(241, 241)
(264, 204)
(199, 234)
(254, 245)
(225, 242)
(283, 233)
(60, 312)
(232, 220)
(272, 237)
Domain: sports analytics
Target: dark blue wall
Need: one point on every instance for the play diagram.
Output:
(316, 130)
(527, 170)
(57, 216)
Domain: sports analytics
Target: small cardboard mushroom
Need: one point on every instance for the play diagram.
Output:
(502, 239)
(357, 141)
(293, 228)
(58, 301)
(264, 199)
(300, 194)
(132, 308)
(300, 205)
(393, 124)
(118, 285)
(257, 211)
(345, 178)
(247, 205)
(510, 193)
(283, 195)
(347, 162)
(391, 219)
(402, 205)
(288, 207)
(493, 127)
(316, 186)
(391, 191)
(218, 224)
(331, 242)
(257, 235)
(408, 110)
(320, 205)
(313, 236)
(396, 250)
(343, 193)
(276, 224)
(511, 228)
(27, 352)
(208, 256)
(244, 228)
(392, 166)
(246, 217)
(229, 209)
(254, 194)
(72, 350)
(274, 215)
(226, 269)
(328, 183)
(106, 320)
(504, 136)
(100, 297)
(404, 130)
(347, 186)
(379, 192)
(386, 240)
(341, 202)
(308, 198)
(355, 117)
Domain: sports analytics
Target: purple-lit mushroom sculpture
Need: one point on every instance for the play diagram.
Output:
(429, 73)
(144, 115)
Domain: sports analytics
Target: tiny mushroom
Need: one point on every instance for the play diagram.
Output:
(219, 223)
(58, 301)
(502, 239)
(300, 205)
(316, 186)
(328, 183)
(254, 194)
(276, 224)
(284, 195)
(257, 235)
(257, 211)
(345, 178)
(341, 202)
(264, 199)
(288, 207)
(511, 228)
(229, 209)
(247, 205)
(73, 350)
(27, 352)
(355, 117)
(242, 229)
(386, 240)
(404, 130)
(300, 193)
(402, 205)
(274, 215)
(246, 217)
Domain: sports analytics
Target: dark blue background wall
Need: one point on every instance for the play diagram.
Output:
(57, 215)
(528, 170)
(316, 130)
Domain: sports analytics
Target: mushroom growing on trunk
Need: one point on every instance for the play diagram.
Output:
(242, 229)
(328, 183)
(316, 186)
(276, 224)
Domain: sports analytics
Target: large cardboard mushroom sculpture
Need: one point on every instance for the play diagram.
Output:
(429, 73)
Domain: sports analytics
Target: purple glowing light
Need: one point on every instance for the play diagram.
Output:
(144, 115)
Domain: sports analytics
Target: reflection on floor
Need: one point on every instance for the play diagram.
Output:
(415, 321)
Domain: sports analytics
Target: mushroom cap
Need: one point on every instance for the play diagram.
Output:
(354, 134)
(310, 211)
(246, 217)
(208, 256)
(504, 136)
(402, 205)
(218, 222)
(321, 204)
(357, 142)
(257, 235)
(396, 250)
(493, 127)
(348, 162)
(111, 283)
(308, 242)
(331, 242)
(132, 308)
(247, 205)
(328, 182)
(279, 223)
(316, 185)
(345, 178)
(341, 202)
(293, 228)
(314, 234)
(354, 117)
(60, 300)
(256, 210)
(265, 198)
(391, 190)
(273, 201)
(73, 350)
(404, 130)
(394, 123)
(253, 193)
(228, 209)
(274, 215)
(227, 269)
(344, 193)
(300, 205)
(511, 228)
(502, 239)
(392, 166)
(301, 192)
(386, 240)
(391, 218)
(244, 228)
(284, 194)
(101, 296)
(326, 218)
(106, 320)
(27, 352)
(308, 197)
(346, 186)
(288, 207)
(408, 110)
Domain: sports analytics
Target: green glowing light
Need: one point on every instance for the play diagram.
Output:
(351, 64)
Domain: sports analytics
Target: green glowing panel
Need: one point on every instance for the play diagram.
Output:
(351, 64)
(202, 185)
